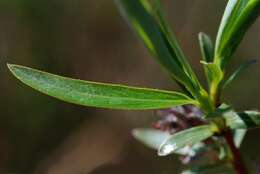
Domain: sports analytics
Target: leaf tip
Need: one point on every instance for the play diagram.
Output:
(135, 133)
(11, 67)
(166, 149)
(201, 34)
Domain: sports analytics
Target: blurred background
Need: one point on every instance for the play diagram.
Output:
(88, 39)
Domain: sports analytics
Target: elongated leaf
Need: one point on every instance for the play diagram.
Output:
(186, 138)
(215, 74)
(146, 18)
(242, 120)
(97, 94)
(206, 47)
(220, 111)
(239, 135)
(152, 138)
(165, 26)
(238, 72)
(238, 17)
(207, 52)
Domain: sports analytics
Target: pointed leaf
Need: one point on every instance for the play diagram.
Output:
(207, 51)
(98, 94)
(242, 120)
(152, 138)
(146, 17)
(239, 135)
(220, 111)
(215, 74)
(238, 72)
(186, 138)
(238, 17)
(206, 47)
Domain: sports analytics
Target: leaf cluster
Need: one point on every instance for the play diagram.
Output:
(148, 21)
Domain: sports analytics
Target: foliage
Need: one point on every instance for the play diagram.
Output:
(192, 137)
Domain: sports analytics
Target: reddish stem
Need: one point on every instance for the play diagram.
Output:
(237, 161)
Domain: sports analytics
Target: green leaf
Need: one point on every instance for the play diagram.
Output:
(206, 47)
(152, 138)
(238, 72)
(220, 111)
(214, 73)
(98, 94)
(146, 17)
(242, 120)
(207, 51)
(239, 135)
(186, 138)
(238, 17)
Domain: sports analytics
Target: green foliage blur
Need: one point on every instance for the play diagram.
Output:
(88, 39)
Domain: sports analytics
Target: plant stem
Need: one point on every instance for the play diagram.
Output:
(237, 161)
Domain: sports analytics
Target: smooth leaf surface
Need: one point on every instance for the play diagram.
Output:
(186, 138)
(220, 111)
(98, 94)
(152, 138)
(242, 120)
(238, 17)
(206, 47)
(146, 18)
(207, 52)
(238, 72)
(214, 73)
(239, 135)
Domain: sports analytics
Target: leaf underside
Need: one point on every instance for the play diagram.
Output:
(184, 138)
(242, 120)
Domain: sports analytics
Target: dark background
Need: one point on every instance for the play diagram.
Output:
(88, 39)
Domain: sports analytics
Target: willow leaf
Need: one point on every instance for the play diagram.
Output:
(238, 17)
(153, 138)
(206, 47)
(186, 138)
(98, 94)
(146, 18)
(242, 120)
(239, 135)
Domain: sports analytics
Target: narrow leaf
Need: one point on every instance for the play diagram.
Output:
(152, 138)
(238, 72)
(186, 138)
(239, 135)
(206, 47)
(98, 94)
(146, 18)
(242, 120)
(220, 111)
(214, 73)
(238, 17)
(207, 51)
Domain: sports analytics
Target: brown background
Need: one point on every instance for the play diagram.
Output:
(88, 39)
